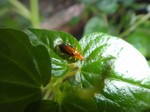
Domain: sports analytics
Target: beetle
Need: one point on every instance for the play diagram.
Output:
(71, 51)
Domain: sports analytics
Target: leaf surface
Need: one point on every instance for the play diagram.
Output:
(24, 69)
(51, 40)
(120, 71)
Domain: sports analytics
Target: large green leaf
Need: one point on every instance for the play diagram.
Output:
(24, 69)
(122, 72)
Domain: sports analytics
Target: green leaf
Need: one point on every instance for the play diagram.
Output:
(96, 24)
(51, 40)
(71, 103)
(113, 77)
(74, 21)
(127, 2)
(87, 2)
(149, 63)
(24, 69)
(116, 71)
(4, 4)
(43, 106)
(140, 39)
(107, 6)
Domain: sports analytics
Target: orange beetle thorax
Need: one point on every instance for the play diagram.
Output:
(71, 51)
(78, 56)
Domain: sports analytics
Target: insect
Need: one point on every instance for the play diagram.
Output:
(73, 52)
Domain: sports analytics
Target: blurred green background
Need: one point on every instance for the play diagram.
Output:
(126, 19)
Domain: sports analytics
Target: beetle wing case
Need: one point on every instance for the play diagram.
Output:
(71, 51)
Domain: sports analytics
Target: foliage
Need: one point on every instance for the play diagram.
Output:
(15, 14)
(36, 76)
(25, 69)
(114, 77)
(127, 19)
(121, 18)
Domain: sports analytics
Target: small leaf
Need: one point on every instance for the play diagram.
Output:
(140, 39)
(96, 24)
(128, 2)
(107, 6)
(87, 2)
(24, 69)
(74, 21)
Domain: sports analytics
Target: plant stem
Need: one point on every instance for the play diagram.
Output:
(20, 9)
(34, 13)
(70, 74)
(137, 24)
(53, 86)
(49, 88)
